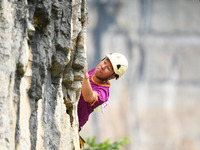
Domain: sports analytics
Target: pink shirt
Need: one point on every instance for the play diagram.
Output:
(85, 108)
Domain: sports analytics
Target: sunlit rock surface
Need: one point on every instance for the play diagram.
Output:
(42, 56)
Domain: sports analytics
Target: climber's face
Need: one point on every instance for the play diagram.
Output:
(104, 70)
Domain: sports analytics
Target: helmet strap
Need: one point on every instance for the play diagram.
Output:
(104, 80)
(113, 75)
(101, 79)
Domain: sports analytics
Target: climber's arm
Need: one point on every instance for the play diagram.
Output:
(88, 94)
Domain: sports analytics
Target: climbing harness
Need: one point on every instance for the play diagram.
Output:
(81, 140)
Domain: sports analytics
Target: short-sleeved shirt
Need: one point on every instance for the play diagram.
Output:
(102, 95)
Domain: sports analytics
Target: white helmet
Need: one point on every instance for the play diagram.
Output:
(119, 63)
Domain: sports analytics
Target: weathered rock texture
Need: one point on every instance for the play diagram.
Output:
(42, 56)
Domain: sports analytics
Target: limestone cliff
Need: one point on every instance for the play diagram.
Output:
(42, 56)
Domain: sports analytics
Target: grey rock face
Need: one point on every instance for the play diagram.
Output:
(42, 57)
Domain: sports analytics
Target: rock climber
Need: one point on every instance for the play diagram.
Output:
(95, 86)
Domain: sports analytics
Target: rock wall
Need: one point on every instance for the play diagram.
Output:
(156, 104)
(42, 56)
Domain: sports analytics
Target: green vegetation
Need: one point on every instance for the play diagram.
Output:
(106, 145)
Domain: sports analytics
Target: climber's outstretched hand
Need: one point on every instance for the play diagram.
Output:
(86, 75)
(88, 94)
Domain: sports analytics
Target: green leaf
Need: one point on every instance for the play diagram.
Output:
(106, 145)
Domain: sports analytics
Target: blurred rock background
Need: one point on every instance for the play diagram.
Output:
(156, 103)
